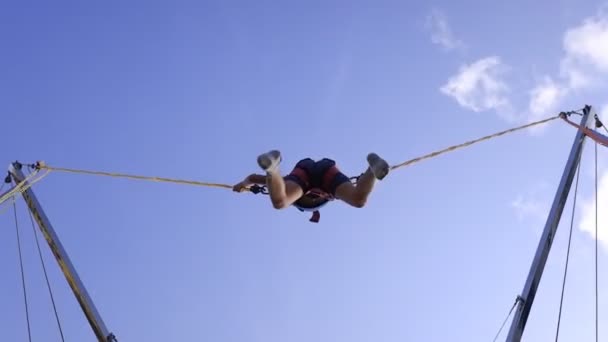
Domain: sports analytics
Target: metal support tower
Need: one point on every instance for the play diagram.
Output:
(525, 300)
(95, 320)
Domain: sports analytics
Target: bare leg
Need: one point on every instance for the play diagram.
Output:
(357, 195)
(282, 193)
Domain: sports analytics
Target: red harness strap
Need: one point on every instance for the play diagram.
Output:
(322, 192)
(328, 177)
(301, 174)
(316, 216)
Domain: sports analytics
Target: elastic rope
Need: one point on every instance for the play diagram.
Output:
(46, 277)
(138, 177)
(468, 143)
(27, 314)
(559, 317)
(4, 207)
(227, 186)
(2, 188)
(596, 242)
(505, 320)
(23, 186)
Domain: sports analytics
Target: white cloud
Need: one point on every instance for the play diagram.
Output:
(545, 97)
(534, 204)
(526, 207)
(441, 33)
(479, 86)
(585, 59)
(587, 222)
(604, 114)
(589, 42)
(574, 74)
(586, 51)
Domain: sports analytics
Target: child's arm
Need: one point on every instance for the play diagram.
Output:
(256, 179)
(250, 180)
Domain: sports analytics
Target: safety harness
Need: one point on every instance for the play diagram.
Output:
(314, 193)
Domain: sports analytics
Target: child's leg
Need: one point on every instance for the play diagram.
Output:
(357, 195)
(283, 193)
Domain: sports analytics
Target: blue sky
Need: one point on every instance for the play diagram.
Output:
(198, 90)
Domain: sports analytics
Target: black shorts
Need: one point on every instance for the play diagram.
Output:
(322, 174)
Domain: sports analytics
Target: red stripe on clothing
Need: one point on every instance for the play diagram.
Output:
(328, 177)
(302, 174)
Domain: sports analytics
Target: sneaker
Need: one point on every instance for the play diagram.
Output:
(377, 165)
(269, 161)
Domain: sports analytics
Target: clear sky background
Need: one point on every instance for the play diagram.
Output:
(197, 90)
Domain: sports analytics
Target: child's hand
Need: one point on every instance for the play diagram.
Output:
(241, 186)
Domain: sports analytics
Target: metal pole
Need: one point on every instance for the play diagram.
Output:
(526, 299)
(97, 324)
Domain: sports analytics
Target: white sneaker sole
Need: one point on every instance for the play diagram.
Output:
(267, 162)
(378, 166)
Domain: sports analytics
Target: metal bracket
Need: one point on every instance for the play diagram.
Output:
(80, 292)
(544, 245)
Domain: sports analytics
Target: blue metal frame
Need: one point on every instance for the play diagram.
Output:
(526, 299)
(95, 320)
